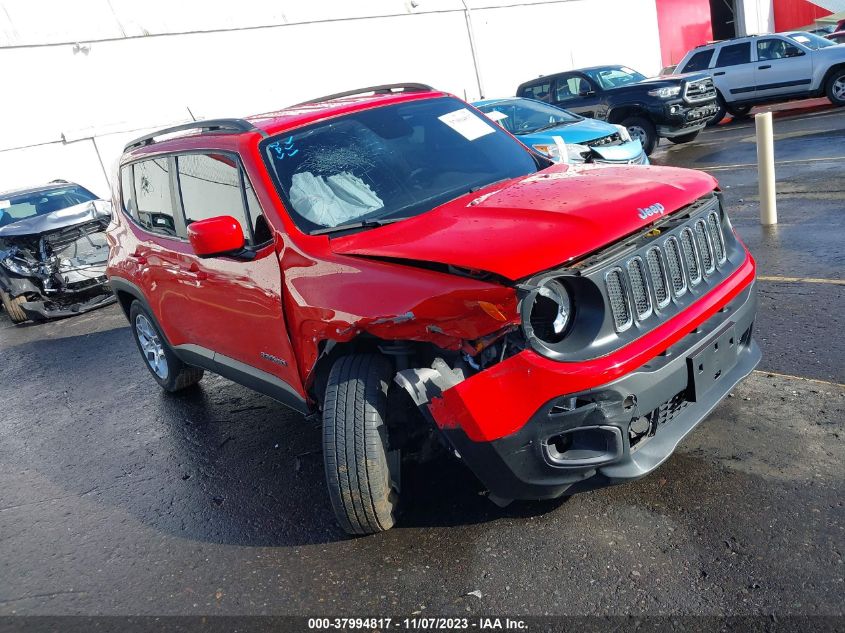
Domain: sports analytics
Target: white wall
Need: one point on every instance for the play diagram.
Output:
(755, 17)
(84, 77)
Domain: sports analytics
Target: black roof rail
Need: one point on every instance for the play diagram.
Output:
(208, 125)
(382, 89)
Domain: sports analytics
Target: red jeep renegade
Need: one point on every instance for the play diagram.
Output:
(394, 260)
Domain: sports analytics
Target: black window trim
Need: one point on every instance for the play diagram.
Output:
(176, 192)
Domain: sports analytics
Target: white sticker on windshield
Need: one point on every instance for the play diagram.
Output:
(801, 38)
(5, 204)
(495, 115)
(467, 124)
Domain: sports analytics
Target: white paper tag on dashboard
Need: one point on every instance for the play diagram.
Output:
(5, 204)
(467, 124)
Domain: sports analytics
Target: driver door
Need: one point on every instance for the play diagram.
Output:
(782, 68)
(235, 303)
(574, 92)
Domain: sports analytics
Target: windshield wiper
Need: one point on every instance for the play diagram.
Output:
(363, 224)
(549, 126)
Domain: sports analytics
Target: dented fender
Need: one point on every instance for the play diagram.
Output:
(388, 301)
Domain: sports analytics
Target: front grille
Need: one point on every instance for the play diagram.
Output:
(618, 300)
(639, 288)
(669, 410)
(690, 257)
(657, 272)
(667, 269)
(699, 90)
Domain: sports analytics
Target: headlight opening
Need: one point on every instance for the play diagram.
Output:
(551, 312)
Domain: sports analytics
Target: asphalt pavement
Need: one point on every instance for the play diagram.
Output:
(116, 498)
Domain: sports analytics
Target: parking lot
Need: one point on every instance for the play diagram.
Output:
(116, 498)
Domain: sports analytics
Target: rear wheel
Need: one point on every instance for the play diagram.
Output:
(739, 111)
(12, 306)
(685, 138)
(836, 88)
(169, 372)
(361, 472)
(642, 129)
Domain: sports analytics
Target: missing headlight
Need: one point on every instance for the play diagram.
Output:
(550, 312)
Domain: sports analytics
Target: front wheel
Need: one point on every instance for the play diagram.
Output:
(684, 138)
(363, 487)
(642, 129)
(836, 88)
(12, 305)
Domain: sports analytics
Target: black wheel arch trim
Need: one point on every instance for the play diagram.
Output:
(198, 356)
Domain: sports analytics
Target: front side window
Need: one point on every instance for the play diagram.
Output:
(614, 77)
(699, 61)
(734, 54)
(390, 163)
(524, 116)
(29, 204)
(210, 185)
(775, 49)
(153, 196)
(572, 87)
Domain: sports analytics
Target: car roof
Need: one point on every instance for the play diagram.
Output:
(36, 189)
(289, 118)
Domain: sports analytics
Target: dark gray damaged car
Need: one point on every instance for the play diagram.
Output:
(53, 251)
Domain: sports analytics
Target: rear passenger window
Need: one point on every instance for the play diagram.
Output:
(699, 61)
(153, 196)
(734, 54)
(540, 92)
(210, 185)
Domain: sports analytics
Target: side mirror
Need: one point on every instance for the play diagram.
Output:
(216, 236)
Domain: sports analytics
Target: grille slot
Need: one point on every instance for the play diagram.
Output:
(619, 307)
(639, 288)
(657, 273)
(690, 256)
(716, 237)
(705, 248)
(676, 270)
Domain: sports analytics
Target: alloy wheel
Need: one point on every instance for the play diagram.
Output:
(839, 88)
(151, 346)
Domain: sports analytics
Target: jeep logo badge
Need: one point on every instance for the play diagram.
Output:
(655, 209)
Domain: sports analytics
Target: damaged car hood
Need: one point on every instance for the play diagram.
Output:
(57, 220)
(535, 222)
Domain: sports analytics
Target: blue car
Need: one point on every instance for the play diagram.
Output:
(562, 135)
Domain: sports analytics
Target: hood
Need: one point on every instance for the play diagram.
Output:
(666, 80)
(579, 132)
(535, 222)
(57, 220)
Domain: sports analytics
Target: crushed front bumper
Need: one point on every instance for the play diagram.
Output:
(584, 440)
(43, 310)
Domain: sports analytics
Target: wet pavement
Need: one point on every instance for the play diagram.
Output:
(118, 499)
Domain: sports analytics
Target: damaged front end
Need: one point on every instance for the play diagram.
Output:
(56, 264)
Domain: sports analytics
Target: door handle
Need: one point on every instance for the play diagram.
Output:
(193, 272)
(765, 67)
(721, 72)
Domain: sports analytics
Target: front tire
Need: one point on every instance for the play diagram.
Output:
(835, 89)
(168, 371)
(363, 490)
(685, 138)
(642, 129)
(12, 306)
